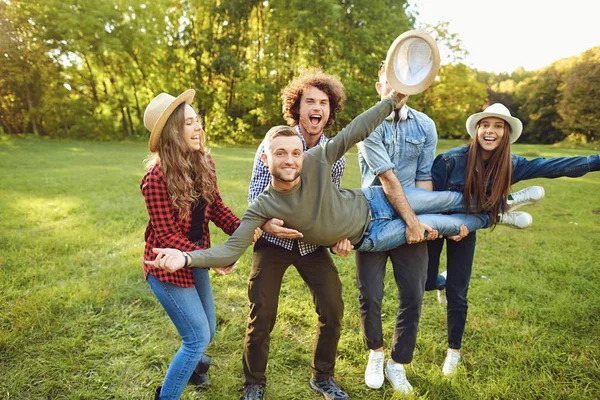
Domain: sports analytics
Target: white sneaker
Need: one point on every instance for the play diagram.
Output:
(441, 295)
(517, 219)
(374, 372)
(529, 195)
(397, 377)
(451, 362)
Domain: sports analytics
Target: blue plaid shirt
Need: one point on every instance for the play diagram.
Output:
(261, 179)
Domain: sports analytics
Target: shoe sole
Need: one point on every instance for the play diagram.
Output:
(374, 386)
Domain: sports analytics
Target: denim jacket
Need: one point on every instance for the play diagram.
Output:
(449, 169)
(407, 147)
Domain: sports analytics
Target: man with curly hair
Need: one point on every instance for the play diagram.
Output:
(310, 105)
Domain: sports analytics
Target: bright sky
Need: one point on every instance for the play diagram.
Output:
(502, 35)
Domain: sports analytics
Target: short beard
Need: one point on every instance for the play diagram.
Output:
(280, 178)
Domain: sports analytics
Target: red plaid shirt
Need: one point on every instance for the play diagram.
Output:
(167, 230)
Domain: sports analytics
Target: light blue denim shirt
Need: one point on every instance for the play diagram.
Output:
(407, 147)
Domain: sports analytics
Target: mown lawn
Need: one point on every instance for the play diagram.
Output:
(78, 321)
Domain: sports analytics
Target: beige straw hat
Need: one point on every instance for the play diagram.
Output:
(412, 62)
(158, 112)
(499, 111)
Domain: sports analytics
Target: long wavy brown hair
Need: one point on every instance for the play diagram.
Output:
(189, 174)
(492, 176)
(292, 94)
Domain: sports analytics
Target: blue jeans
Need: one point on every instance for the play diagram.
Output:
(387, 230)
(192, 311)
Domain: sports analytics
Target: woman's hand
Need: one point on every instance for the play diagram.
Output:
(461, 234)
(342, 248)
(169, 260)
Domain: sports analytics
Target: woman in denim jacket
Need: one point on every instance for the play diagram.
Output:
(484, 170)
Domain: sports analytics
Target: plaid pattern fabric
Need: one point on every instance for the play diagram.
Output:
(167, 229)
(261, 179)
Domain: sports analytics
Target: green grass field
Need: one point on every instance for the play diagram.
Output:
(78, 321)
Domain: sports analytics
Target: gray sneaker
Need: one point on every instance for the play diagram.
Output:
(517, 219)
(525, 197)
(253, 392)
(329, 389)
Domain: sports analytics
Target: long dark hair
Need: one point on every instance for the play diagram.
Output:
(189, 174)
(492, 176)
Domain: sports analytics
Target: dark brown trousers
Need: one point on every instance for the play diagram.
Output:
(318, 271)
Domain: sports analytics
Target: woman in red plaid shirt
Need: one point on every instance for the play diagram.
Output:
(180, 190)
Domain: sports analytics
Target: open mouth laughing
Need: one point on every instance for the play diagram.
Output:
(315, 119)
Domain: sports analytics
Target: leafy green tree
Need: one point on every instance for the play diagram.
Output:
(580, 100)
(537, 98)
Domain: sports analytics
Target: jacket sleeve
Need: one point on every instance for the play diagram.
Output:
(556, 167)
(162, 214)
(439, 173)
(230, 251)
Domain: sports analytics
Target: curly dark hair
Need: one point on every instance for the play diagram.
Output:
(292, 94)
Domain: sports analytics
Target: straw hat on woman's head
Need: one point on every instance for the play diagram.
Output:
(158, 112)
(499, 111)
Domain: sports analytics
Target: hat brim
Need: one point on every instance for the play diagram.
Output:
(185, 97)
(516, 126)
(390, 72)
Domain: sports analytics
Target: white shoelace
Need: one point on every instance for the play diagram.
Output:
(375, 365)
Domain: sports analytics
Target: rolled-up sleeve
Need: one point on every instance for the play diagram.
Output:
(374, 152)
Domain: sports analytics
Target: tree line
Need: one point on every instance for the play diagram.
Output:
(81, 69)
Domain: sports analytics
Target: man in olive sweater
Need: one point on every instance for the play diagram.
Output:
(302, 181)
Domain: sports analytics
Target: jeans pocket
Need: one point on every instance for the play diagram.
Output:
(366, 245)
(368, 193)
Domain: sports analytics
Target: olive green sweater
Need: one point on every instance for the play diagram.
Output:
(322, 212)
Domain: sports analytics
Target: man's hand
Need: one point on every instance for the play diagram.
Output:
(275, 227)
(342, 248)
(400, 98)
(170, 260)
(432, 234)
(415, 233)
(461, 234)
(257, 234)
(227, 270)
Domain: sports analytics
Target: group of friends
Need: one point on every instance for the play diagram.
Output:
(410, 204)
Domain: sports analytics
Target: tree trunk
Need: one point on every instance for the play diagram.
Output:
(92, 80)
(131, 131)
(30, 110)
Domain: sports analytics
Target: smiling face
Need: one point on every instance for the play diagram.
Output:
(284, 156)
(490, 131)
(313, 112)
(192, 129)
